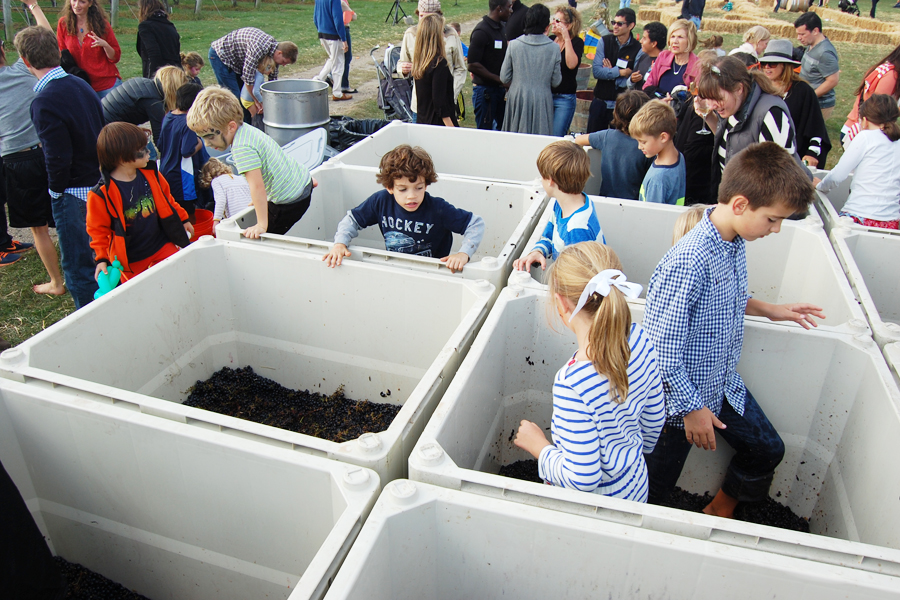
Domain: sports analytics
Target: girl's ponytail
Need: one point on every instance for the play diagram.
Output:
(609, 349)
(882, 110)
(608, 346)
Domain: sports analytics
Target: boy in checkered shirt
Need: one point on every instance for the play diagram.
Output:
(696, 303)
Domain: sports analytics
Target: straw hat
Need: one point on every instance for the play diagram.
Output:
(779, 51)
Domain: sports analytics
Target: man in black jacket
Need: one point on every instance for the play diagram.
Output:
(613, 65)
(515, 24)
(487, 49)
(68, 118)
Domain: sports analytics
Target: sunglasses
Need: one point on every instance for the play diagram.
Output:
(619, 23)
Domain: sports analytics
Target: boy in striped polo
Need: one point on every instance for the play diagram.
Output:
(280, 187)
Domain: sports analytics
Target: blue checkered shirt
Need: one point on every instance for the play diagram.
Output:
(696, 302)
(57, 73)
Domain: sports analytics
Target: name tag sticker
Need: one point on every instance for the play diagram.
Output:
(498, 44)
(622, 63)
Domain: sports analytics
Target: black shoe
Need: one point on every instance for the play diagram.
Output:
(4, 345)
(329, 80)
(17, 247)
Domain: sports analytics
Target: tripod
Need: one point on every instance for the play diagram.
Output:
(395, 11)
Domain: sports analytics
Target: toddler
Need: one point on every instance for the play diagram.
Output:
(608, 403)
(874, 155)
(411, 220)
(564, 169)
(231, 192)
(250, 94)
(131, 215)
(654, 128)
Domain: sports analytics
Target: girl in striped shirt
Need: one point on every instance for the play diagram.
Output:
(608, 404)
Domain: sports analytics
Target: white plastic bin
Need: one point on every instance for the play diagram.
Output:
(795, 265)
(830, 204)
(830, 396)
(463, 152)
(510, 213)
(174, 511)
(871, 263)
(425, 542)
(374, 330)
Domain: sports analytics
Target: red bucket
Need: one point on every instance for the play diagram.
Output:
(204, 224)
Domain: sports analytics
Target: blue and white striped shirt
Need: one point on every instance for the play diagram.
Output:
(695, 309)
(599, 445)
(581, 226)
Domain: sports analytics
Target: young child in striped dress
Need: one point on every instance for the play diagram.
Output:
(231, 192)
(608, 402)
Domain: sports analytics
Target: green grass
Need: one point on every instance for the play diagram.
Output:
(22, 312)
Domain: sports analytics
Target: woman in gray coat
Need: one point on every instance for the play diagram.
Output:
(532, 67)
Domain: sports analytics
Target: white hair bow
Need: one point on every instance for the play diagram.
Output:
(602, 283)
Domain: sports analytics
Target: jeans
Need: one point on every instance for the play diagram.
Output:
(624, 4)
(70, 213)
(102, 94)
(696, 21)
(563, 111)
(348, 56)
(489, 103)
(225, 76)
(758, 450)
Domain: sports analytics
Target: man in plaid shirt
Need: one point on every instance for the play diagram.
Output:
(235, 57)
(696, 302)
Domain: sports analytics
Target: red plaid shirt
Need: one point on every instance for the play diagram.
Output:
(242, 49)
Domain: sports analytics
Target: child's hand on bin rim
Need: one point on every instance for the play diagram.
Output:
(254, 232)
(456, 262)
(531, 438)
(336, 255)
(533, 257)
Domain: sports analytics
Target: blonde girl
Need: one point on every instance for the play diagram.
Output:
(250, 95)
(434, 81)
(608, 404)
(170, 79)
(231, 192)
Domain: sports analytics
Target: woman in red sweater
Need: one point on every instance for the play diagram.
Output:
(84, 31)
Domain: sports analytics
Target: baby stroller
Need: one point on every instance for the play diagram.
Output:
(849, 7)
(394, 93)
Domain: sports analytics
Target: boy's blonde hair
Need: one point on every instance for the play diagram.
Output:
(654, 119)
(266, 65)
(687, 221)
(214, 108)
(170, 78)
(608, 347)
(212, 169)
(567, 164)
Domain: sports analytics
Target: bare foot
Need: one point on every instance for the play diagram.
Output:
(722, 505)
(49, 289)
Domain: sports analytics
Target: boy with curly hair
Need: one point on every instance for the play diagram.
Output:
(411, 220)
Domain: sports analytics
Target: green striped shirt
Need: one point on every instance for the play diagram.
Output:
(284, 177)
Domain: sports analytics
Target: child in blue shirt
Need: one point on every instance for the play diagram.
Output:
(564, 168)
(251, 98)
(181, 153)
(608, 402)
(654, 129)
(411, 220)
(622, 164)
(696, 303)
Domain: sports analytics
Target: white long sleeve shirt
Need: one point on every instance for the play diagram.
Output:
(875, 162)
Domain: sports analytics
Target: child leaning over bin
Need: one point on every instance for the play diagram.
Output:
(564, 169)
(696, 303)
(231, 192)
(608, 403)
(280, 187)
(412, 221)
(131, 215)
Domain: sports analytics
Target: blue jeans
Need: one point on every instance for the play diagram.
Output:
(225, 76)
(348, 56)
(696, 21)
(77, 259)
(563, 111)
(102, 94)
(624, 4)
(758, 450)
(489, 103)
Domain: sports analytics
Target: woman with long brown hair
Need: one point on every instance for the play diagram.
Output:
(158, 43)
(85, 32)
(434, 81)
(566, 25)
(882, 78)
(813, 143)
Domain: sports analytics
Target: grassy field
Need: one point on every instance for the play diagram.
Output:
(22, 313)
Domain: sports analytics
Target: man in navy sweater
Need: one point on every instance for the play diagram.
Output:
(68, 118)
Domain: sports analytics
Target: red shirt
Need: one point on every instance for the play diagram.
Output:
(101, 70)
